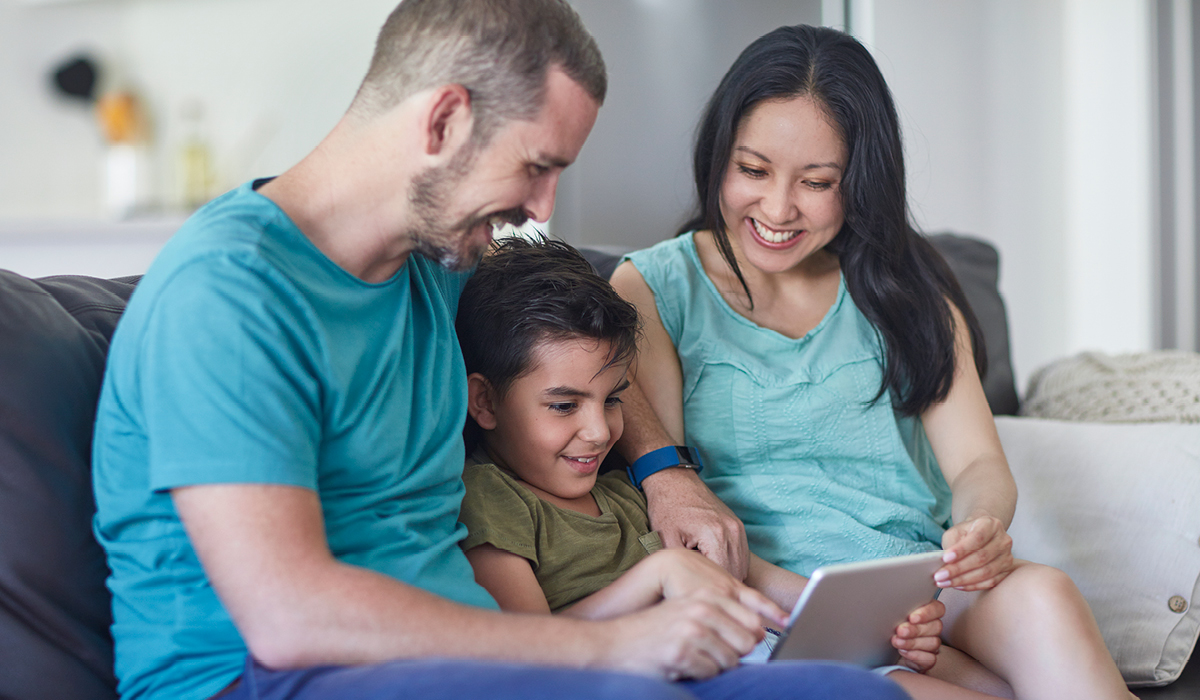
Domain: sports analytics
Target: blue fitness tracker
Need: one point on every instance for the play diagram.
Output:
(663, 458)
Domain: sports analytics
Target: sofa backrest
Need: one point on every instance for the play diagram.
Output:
(54, 607)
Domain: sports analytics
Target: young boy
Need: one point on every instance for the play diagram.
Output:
(547, 344)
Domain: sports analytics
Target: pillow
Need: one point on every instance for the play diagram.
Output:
(54, 606)
(976, 265)
(1162, 386)
(1115, 506)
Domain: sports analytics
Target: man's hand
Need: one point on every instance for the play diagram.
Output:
(919, 638)
(687, 514)
(696, 636)
(978, 555)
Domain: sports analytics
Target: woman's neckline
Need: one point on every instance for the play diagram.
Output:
(693, 252)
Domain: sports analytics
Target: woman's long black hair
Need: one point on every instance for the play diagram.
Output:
(895, 276)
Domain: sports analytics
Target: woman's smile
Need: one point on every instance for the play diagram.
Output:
(774, 238)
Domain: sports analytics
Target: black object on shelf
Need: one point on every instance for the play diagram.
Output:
(76, 78)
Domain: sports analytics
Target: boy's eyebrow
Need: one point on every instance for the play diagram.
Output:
(572, 392)
(567, 391)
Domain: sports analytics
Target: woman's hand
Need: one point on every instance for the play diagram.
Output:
(919, 638)
(978, 555)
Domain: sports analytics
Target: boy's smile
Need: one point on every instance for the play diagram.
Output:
(557, 422)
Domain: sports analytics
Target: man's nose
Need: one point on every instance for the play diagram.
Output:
(540, 204)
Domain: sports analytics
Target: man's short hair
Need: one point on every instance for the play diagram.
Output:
(499, 50)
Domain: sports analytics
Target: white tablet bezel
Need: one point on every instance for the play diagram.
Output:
(848, 612)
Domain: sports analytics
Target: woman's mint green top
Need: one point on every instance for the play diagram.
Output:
(789, 438)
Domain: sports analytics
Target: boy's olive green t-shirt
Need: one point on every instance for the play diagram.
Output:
(573, 555)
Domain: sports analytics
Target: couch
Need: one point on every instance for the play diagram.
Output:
(54, 607)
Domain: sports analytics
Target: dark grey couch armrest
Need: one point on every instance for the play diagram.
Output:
(54, 606)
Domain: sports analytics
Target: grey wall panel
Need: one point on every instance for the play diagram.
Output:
(632, 185)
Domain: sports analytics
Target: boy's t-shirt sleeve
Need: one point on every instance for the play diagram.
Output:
(496, 514)
(230, 378)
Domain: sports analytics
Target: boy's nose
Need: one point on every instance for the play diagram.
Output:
(595, 430)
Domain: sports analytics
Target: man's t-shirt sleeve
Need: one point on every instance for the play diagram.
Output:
(229, 379)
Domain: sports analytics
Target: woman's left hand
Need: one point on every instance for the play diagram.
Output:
(978, 555)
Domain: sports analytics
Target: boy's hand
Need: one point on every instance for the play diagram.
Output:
(696, 636)
(919, 638)
(685, 572)
(978, 555)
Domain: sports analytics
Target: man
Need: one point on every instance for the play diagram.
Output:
(278, 458)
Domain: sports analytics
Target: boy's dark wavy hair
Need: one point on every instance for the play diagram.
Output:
(894, 274)
(528, 292)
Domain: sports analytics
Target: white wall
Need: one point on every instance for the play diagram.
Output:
(273, 75)
(49, 149)
(1027, 122)
(1109, 166)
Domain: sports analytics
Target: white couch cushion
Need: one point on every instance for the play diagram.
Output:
(1117, 507)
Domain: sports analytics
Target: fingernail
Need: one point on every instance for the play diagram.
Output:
(949, 556)
(941, 575)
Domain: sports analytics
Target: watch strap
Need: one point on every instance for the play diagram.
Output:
(663, 458)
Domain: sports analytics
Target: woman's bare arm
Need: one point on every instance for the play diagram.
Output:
(964, 439)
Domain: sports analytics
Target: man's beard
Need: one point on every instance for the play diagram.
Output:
(429, 196)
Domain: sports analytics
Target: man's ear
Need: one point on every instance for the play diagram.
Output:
(448, 120)
(481, 401)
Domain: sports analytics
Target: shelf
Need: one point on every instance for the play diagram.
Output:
(39, 231)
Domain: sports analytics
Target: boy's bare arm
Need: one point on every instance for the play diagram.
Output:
(780, 585)
(509, 578)
(670, 574)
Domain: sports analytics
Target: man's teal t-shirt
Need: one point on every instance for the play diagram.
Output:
(247, 356)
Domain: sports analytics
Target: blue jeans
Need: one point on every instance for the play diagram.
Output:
(468, 680)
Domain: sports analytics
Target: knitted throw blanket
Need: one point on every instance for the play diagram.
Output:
(1150, 387)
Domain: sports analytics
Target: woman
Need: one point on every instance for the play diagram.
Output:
(822, 358)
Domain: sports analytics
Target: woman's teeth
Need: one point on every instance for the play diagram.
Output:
(771, 235)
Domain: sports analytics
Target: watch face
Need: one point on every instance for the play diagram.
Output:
(687, 457)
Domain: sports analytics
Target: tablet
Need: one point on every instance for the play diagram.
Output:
(848, 612)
